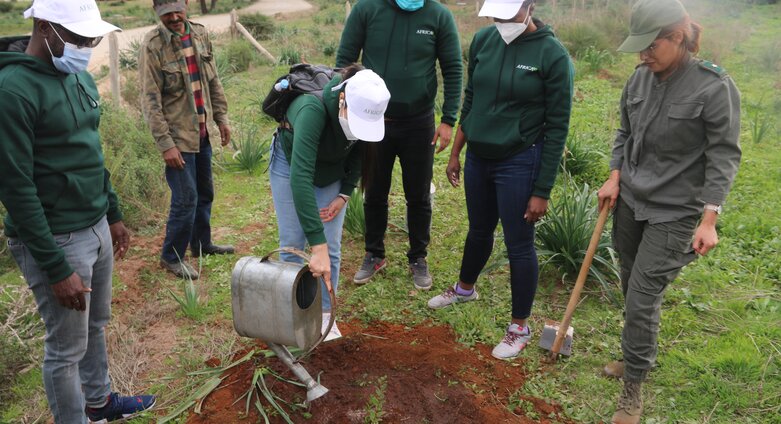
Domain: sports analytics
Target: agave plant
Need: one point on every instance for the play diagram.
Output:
(354, 221)
(564, 234)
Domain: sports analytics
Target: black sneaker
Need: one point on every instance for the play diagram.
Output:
(120, 407)
(371, 265)
(420, 275)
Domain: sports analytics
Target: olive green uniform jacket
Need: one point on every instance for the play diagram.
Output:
(166, 93)
(677, 147)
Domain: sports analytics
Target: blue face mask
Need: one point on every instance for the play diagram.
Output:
(73, 60)
(410, 5)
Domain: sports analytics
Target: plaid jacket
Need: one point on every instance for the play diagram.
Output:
(167, 98)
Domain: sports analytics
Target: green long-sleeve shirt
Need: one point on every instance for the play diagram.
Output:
(515, 95)
(403, 48)
(53, 179)
(678, 146)
(318, 154)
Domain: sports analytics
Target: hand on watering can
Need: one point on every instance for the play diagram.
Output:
(320, 263)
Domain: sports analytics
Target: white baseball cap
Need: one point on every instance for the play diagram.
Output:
(80, 17)
(501, 9)
(367, 98)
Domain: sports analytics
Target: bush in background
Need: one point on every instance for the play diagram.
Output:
(135, 164)
(259, 25)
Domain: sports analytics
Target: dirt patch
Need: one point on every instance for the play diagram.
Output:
(421, 373)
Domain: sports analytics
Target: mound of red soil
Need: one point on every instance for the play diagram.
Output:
(427, 377)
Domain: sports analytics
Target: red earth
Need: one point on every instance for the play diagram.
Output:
(427, 377)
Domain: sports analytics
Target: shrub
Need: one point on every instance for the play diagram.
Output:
(596, 59)
(6, 7)
(249, 153)
(234, 57)
(582, 160)
(564, 233)
(290, 56)
(580, 37)
(354, 221)
(128, 57)
(259, 25)
(135, 165)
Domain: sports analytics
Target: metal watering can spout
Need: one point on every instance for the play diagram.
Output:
(280, 303)
(313, 389)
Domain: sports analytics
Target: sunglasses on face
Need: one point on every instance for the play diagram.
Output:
(77, 40)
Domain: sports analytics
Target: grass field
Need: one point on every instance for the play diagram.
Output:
(720, 343)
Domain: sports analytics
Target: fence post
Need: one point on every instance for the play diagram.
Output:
(113, 48)
(347, 9)
(234, 21)
(243, 31)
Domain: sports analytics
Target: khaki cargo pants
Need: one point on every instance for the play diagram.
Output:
(651, 256)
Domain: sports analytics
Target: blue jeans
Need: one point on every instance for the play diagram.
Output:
(501, 189)
(290, 232)
(75, 363)
(192, 193)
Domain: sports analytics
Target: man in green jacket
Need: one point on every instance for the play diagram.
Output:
(402, 40)
(181, 91)
(63, 221)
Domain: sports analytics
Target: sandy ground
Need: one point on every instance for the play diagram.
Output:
(215, 23)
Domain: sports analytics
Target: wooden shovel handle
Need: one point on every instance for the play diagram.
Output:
(575, 296)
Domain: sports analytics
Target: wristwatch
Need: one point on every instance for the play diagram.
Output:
(714, 208)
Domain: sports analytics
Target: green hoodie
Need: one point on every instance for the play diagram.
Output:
(516, 94)
(51, 167)
(319, 155)
(403, 48)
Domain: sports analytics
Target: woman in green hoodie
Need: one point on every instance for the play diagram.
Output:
(514, 120)
(316, 164)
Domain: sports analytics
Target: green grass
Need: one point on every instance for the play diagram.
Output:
(720, 342)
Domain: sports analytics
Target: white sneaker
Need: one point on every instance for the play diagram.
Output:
(334, 333)
(449, 297)
(515, 339)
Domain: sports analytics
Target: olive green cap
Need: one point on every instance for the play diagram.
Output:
(648, 19)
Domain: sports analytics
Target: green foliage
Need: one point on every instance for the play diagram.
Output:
(597, 59)
(290, 56)
(259, 25)
(376, 402)
(190, 302)
(250, 148)
(354, 220)
(134, 163)
(564, 234)
(769, 57)
(128, 57)
(581, 37)
(759, 122)
(582, 160)
(6, 7)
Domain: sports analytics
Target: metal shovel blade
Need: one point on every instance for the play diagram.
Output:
(549, 336)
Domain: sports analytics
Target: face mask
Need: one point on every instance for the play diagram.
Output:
(512, 30)
(73, 59)
(410, 5)
(346, 128)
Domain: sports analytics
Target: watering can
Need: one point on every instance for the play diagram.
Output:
(280, 303)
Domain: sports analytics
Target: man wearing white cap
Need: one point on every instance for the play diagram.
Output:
(63, 221)
(316, 163)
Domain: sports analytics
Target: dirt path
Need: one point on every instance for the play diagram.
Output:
(215, 23)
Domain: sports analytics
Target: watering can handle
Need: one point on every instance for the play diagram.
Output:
(301, 254)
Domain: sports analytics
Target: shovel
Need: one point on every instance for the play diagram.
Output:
(557, 337)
